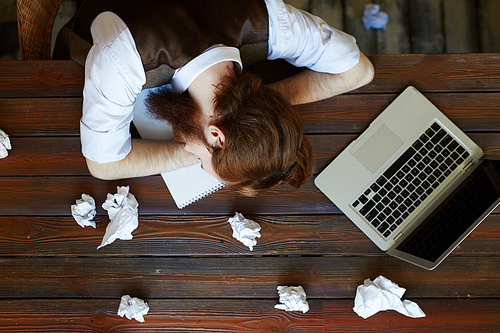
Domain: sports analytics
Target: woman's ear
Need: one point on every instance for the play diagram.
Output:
(217, 135)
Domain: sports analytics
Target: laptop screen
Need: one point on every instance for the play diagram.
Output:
(456, 214)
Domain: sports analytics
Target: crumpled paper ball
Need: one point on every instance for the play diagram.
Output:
(383, 294)
(4, 144)
(292, 299)
(374, 18)
(123, 213)
(245, 230)
(133, 308)
(84, 211)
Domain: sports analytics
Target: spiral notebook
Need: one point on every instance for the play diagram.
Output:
(187, 184)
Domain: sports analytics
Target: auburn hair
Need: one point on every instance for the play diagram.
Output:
(264, 140)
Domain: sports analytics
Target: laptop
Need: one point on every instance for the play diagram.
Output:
(413, 182)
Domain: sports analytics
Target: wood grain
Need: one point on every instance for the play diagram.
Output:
(349, 113)
(204, 235)
(258, 315)
(239, 277)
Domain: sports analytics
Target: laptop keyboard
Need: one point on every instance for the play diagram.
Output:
(409, 181)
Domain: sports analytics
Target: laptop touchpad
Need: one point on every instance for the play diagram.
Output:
(380, 145)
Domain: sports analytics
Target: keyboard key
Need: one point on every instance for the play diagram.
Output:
(417, 203)
(460, 149)
(382, 192)
(383, 227)
(429, 146)
(390, 220)
(388, 186)
(465, 155)
(414, 196)
(397, 189)
(453, 145)
(355, 203)
(396, 214)
(387, 211)
(411, 209)
(394, 180)
(376, 198)
(405, 215)
(402, 208)
(401, 174)
(375, 187)
(393, 205)
(381, 181)
(405, 193)
(399, 221)
(426, 160)
(438, 149)
(429, 191)
(367, 207)
(446, 140)
(412, 163)
(422, 176)
(399, 199)
(426, 184)
(423, 197)
(399, 163)
(423, 151)
(393, 227)
(386, 201)
(380, 207)
(371, 215)
(417, 145)
(417, 157)
(439, 135)
(403, 183)
(436, 127)
(419, 190)
(375, 223)
(387, 233)
(430, 133)
(431, 179)
(432, 154)
(424, 138)
(363, 199)
(411, 187)
(446, 153)
(408, 202)
(367, 192)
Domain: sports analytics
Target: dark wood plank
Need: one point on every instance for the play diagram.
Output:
(457, 315)
(166, 315)
(426, 26)
(489, 25)
(54, 196)
(204, 236)
(51, 156)
(41, 78)
(239, 277)
(225, 315)
(460, 26)
(51, 196)
(434, 72)
(353, 113)
(350, 113)
(41, 116)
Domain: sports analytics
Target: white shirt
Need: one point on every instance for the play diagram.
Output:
(114, 74)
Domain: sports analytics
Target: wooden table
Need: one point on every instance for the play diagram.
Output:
(186, 264)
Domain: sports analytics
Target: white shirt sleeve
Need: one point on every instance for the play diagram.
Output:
(114, 76)
(305, 40)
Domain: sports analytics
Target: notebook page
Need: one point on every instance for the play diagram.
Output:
(187, 184)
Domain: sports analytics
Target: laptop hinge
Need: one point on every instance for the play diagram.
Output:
(398, 236)
(468, 166)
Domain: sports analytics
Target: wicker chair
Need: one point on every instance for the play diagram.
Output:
(35, 19)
